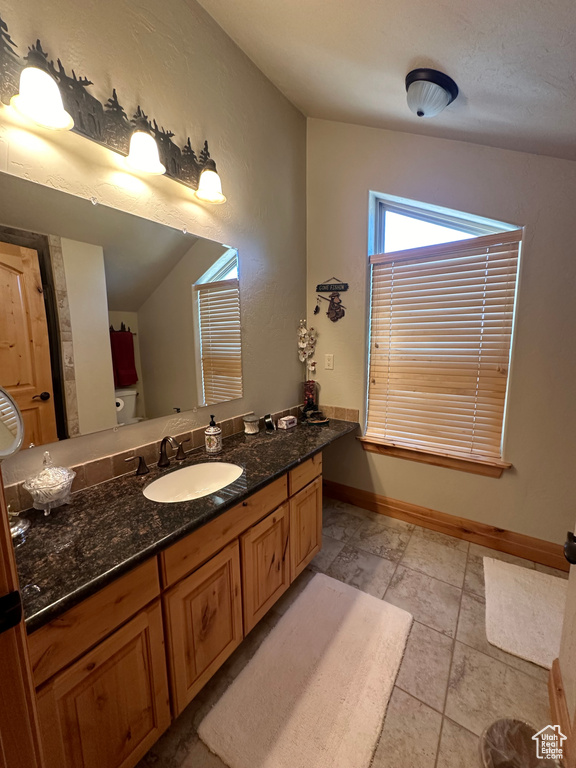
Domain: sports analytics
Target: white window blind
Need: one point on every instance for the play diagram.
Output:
(220, 340)
(441, 328)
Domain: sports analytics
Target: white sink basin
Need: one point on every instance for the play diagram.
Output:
(192, 482)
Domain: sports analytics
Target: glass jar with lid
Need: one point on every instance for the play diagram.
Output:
(251, 424)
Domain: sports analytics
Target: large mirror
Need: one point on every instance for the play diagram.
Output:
(108, 318)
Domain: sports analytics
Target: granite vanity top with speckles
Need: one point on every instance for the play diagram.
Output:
(110, 528)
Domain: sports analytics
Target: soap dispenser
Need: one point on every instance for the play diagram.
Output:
(213, 437)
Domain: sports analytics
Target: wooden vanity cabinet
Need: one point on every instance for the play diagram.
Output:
(109, 708)
(305, 526)
(186, 555)
(265, 564)
(203, 623)
(67, 637)
(101, 668)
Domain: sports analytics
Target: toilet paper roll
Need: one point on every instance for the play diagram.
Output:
(120, 404)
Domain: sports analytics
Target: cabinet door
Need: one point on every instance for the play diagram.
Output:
(305, 526)
(204, 616)
(265, 565)
(108, 709)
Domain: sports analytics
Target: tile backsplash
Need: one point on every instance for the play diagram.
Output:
(108, 467)
(344, 414)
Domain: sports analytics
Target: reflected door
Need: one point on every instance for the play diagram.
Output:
(25, 370)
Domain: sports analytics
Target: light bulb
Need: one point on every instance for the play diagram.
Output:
(209, 186)
(40, 100)
(143, 155)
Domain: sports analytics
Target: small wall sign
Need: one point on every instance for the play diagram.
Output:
(336, 310)
(330, 287)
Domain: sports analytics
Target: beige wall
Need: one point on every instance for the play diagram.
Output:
(167, 333)
(84, 266)
(179, 65)
(344, 162)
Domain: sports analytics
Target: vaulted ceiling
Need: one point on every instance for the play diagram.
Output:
(513, 60)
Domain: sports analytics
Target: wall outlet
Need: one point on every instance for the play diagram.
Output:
(329, 362)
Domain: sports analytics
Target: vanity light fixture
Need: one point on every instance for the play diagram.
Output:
(57, 98)
(209, 185)
(40, 100)
(429, 91)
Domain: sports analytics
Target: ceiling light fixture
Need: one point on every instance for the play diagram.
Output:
(40, 100)
(429, 91)
(209, 185)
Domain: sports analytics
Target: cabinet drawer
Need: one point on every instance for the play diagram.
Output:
(66, 638)
(204, 623)
(185, 556)
(111, 706)
(304, 473)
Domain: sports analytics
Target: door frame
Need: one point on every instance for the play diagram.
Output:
(20, 745)
(40, 244)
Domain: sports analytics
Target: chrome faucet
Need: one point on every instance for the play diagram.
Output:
(163, 460)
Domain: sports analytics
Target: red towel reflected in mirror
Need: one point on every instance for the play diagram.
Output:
(123, 363)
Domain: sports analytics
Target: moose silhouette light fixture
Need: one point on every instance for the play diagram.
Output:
(48, 95)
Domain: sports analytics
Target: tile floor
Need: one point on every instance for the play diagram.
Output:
(452, 683)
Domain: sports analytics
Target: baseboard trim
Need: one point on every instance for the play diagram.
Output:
(544, 552)
(560, 714)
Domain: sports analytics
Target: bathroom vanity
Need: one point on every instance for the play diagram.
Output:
(170, 592)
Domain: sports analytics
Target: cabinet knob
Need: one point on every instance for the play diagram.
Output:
(244, 503)
(570, 548)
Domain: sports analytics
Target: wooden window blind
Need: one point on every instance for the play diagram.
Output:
(441, 329)
(220, 340)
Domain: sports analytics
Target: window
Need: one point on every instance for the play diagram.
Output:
(217, 306)
(443, 292)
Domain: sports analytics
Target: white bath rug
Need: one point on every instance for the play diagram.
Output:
(524, 611)
(315, 693)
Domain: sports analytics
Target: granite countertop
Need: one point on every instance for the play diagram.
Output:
(110, 528)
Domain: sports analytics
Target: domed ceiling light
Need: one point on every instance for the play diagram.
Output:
(429, 91)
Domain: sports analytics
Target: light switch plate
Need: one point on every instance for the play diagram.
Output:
(329, 362)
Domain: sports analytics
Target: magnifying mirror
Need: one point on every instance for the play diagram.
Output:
(11, 425)
(11, 436)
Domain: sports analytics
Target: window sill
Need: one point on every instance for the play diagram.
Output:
(486, 467)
